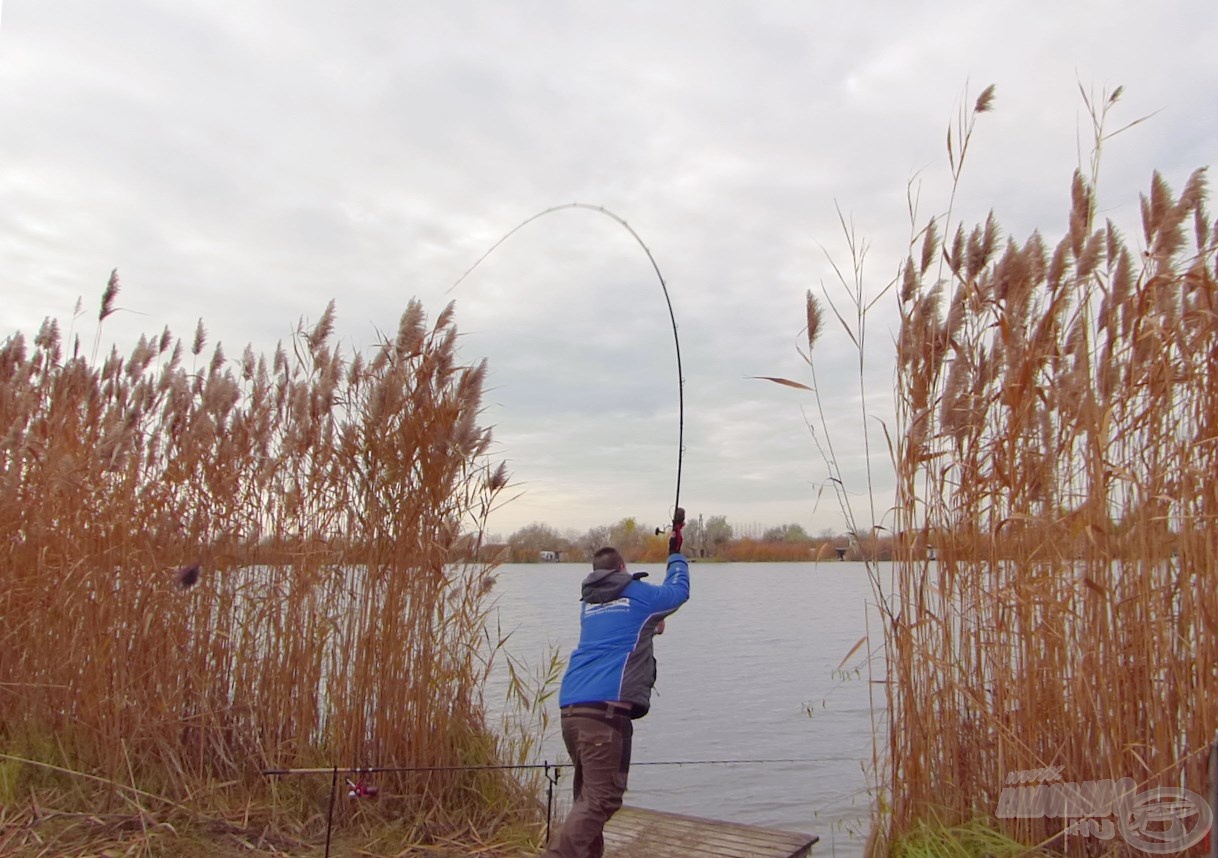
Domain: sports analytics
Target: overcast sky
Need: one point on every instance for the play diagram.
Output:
(246, 162)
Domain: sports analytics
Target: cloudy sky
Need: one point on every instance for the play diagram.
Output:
(246, 162)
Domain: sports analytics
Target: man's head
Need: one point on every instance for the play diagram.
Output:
(608, 558)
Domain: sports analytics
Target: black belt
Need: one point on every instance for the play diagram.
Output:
(597, 707)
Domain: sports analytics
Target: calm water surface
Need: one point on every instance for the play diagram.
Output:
(747, 670)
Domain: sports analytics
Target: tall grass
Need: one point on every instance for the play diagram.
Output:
(1058, 448)
(209, 567)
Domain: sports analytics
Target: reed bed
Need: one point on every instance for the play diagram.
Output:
(211, 567)
(1058, 449)
(760, 551)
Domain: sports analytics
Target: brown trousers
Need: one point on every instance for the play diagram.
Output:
(599, 745)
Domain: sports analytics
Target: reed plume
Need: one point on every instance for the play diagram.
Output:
(813, 315)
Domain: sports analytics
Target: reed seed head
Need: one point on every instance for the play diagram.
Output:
(108, 296)
(985, 101)
(813, 313)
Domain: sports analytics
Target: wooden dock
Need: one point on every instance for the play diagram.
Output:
(637, 833)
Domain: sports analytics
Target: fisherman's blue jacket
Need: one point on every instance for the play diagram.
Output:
(618, 618)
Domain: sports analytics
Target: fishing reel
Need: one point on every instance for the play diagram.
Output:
(678, 524)
(361, 788)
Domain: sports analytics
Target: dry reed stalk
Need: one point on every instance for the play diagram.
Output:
(206, 573)
(1062, 467)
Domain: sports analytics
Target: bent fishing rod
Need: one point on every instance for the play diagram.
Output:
(678, 518)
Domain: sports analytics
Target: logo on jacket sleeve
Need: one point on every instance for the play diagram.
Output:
(622, 604)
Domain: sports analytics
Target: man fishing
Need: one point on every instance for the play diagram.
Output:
(608, 685)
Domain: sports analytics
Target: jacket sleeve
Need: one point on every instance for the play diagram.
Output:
(674, 592)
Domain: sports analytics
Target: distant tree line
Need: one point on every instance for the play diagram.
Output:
(710, 538)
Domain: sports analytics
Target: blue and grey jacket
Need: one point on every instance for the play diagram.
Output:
(618, 619)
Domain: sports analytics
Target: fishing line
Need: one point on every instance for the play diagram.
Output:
(667, 300)
(357, 770)
(552, 773)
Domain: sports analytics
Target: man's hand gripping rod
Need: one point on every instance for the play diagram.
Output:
(678, 524)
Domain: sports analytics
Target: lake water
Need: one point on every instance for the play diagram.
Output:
(747, 671)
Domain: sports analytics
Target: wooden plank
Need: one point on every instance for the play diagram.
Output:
(670, 835)
(717, 839)
(634, 832)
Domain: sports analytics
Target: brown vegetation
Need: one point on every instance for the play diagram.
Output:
(756, 550)
(209, 568)
(1059, 451)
